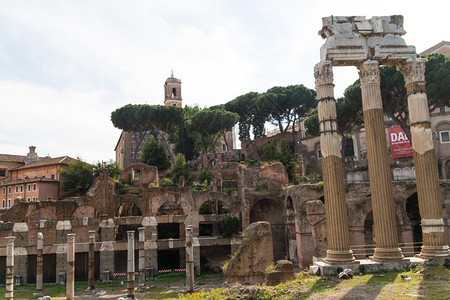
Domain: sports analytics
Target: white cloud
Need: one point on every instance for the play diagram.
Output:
(66, 65)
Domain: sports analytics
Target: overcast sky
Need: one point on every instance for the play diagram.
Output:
(66, 65)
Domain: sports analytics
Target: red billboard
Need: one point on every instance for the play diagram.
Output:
(400, 145)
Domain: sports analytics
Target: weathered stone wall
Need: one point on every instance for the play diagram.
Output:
(249, 262)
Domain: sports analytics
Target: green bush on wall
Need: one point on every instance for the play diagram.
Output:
(229, 226)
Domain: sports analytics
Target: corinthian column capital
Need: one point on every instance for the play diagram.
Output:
(323, 73)
(369, 72)
(413, 70)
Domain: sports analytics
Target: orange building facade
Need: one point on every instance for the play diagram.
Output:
(30, 178)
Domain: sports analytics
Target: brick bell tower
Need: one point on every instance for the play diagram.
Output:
(172, 92)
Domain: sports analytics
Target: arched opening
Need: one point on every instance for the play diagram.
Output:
(412, 210)
(129, 209)
(322, 199)
(272, 212)
(447, 169)
(211, 224)
(213, 207)
(369, 234)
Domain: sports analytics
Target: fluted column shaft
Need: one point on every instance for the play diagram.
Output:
(430, 202)
(383, 207)
(333, 175)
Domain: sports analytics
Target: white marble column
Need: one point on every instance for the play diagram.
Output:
(130, 265)
(70, 283)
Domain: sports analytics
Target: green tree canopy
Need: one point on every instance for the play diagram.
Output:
(77, 178)
(129, 119)
(212, 124)
(245, 107)
(111, 167)
(153, 153)
(143, 118)
(284, 106)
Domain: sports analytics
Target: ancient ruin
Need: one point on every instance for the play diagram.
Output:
(356, 41)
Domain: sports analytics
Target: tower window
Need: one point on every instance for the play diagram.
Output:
(174, 92)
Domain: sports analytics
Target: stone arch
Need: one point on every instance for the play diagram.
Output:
(213, 206)
(358, 177)
(398, 175)
(84, 211)
(350, 177)
(271, 211)
(128, 209)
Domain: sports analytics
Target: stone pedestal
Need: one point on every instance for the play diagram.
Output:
(62, 229)
(430, 202)
(151, 248)
(70, 273)
(333, 175)
(9, 291)
(20, 231)
(383, 207)
(130, 265)
(107, 237)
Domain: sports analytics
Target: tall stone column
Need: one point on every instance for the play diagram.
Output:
(130, 265)
(62, 229)
(39, 263)
(70, 283)
(141, 258)
(383, 209)
(189, 258)
(333, 175)
(91, 285)
(9, 292)
(107, 237)
(20, 231)
(430, 202)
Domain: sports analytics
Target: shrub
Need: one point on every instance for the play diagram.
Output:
(318, 186)
(229, 226)
(205, 176)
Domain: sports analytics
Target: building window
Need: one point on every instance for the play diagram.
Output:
(34, 198)
(4, 191)
(2, 172)
(28, 199)
(21, 189)
(53, 176)
(319, 154)
(34, 187)
(9, 202)
(4, 203)
(174, 92)
(16, 188)
(9, 190)
(28, 187)
(49, 198)
(442, 109)
(445, 137)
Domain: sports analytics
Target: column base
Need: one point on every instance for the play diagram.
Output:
(430, 252)
(340, 257)
(387, 255)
